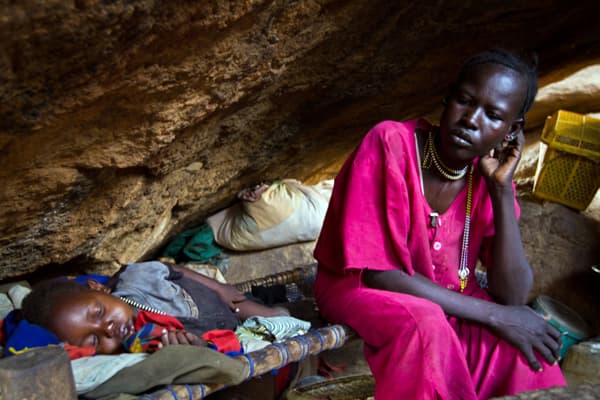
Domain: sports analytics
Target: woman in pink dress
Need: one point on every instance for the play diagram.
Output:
(413, 210)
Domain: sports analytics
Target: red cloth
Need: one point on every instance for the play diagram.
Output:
(378, 219)
(76, 352)
(149, 329)
(166, 321)
(224, 340)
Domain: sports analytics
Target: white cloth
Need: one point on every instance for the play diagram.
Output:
(91, 372)
(17, 293)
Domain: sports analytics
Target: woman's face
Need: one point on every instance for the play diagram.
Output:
(480, 112)
(93, 318)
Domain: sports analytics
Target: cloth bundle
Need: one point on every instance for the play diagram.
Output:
(258, 332)
(286, 212)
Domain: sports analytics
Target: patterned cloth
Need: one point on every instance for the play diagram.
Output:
(258, 332)
(149, 329)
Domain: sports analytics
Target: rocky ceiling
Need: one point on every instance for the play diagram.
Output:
(124, 122)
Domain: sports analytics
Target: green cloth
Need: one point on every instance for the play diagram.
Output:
(175, 364)
(197, 244)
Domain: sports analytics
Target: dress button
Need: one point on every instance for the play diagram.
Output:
(437, 246)
(433, 267)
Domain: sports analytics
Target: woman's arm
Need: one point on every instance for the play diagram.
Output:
(519, 325)
(510, 279)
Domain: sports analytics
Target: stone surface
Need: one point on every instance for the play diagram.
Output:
(41, 373)
(580, 392)
(123, 123)
(561, 245)
(245, 266)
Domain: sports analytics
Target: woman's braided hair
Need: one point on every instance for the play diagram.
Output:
(522, 64)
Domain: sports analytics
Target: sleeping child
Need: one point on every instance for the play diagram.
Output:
(141, 308)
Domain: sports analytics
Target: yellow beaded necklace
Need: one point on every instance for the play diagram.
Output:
(431, 157)
(463, 269)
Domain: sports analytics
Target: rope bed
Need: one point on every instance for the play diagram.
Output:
(272, 357)
(276, 355)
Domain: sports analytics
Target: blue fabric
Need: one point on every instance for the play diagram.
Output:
(21, 335)
(103, 279)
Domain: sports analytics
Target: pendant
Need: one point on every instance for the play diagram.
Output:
(433, 219)
(463, 275)
(463, 284)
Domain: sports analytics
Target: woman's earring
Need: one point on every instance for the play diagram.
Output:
(444, 101)
(508, 137)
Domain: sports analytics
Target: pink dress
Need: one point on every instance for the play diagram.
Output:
(378, 218)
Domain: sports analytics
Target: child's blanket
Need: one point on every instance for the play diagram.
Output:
(176, 364)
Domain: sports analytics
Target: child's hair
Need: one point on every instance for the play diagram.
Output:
(524, 65)
(38, 304)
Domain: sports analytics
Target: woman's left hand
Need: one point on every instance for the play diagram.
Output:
(498, 167)
(529, 332)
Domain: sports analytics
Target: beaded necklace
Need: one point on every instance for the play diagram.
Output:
(431, 156)
(142, 307)
(463, 269)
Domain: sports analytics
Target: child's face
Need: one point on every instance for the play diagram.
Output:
(93, 318)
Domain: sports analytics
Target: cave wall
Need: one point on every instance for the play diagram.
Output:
(124, 122)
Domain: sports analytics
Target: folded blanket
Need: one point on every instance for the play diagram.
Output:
(277, 328)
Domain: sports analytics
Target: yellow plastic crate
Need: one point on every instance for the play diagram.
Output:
(573, 133)
(569, 166)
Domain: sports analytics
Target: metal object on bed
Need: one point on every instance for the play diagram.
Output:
(301, 276)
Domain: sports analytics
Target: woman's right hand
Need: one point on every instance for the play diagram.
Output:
(528, 331)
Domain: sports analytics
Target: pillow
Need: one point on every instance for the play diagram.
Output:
(286, 212)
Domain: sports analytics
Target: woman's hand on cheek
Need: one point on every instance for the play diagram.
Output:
(498, 167)
(529, 332)
(181, 337)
